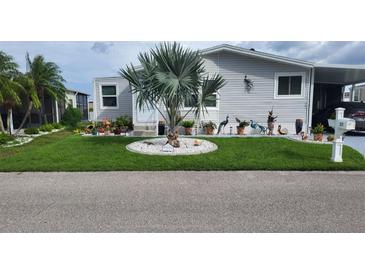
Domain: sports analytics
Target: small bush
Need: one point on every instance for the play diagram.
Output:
(56, 125)
(82, 125)
(244, 123)
(71, 117)
(124, 121)
(209, 124)
(4, 138)
(46, 128)
(188, 123)
(319, 129)
(31, 130)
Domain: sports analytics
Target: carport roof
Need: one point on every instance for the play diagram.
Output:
(339, 74)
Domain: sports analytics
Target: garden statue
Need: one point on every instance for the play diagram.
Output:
(222, 124)
(248, 83)
(283, 131)
(270, 121)
(298, 126)
(255, 125)
(304, 136)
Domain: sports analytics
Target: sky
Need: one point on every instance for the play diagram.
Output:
(80, 62)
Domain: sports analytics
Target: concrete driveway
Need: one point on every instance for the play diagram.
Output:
(243, 201)
(356, 142)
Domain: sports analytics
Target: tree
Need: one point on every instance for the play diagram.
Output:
(170, 77)
(47, 79)
(9, 89)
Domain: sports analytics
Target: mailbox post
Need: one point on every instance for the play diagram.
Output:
(341, 126)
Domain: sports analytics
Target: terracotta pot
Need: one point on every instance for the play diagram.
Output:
(240, 130)
(209, 130)
(188, 131)
(318, 137)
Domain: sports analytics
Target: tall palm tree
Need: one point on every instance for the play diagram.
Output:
(47, 79)
(9, 89)
(171, 76)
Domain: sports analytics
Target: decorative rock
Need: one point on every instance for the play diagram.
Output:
(159, 147)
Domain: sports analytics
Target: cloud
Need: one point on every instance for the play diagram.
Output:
(102, 47)
(81, 62)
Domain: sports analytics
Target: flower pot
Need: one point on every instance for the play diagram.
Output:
(298, 125)
(188, 131)
(209, 130)
(240, 130)
(318, 137)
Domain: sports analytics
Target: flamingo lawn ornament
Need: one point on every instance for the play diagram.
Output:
(223, 124)
(255, 125)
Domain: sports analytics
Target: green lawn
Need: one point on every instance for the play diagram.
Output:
(64, 151)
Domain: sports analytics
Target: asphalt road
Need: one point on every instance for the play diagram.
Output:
(243, 201)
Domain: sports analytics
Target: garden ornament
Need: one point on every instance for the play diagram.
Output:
(223, 124)
(270, 121)
(255, 125)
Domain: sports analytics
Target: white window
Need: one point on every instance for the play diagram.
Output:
(289, 85)
(109, 97)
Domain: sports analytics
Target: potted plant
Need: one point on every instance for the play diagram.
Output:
(318, 132)
(188, 125)
(101, 130)
(209, 127)
(241, 127)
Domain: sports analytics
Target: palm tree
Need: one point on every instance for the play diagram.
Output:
(47, 79)
(171, 76)
(9, 89)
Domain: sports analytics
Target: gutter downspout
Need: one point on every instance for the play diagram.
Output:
(310, 108)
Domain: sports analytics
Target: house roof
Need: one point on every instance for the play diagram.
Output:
(77, 92)
(339, 74)
(254, 53)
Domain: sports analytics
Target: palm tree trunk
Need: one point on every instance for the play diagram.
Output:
(2, 129)
(10, 121)
(30, 106)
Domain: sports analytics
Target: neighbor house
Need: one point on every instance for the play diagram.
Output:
(294, 89)
(53, 110)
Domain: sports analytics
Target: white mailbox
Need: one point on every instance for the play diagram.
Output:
(341, 125)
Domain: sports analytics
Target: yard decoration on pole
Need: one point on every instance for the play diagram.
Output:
(171, 77)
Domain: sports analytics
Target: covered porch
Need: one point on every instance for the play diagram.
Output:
(335, 86)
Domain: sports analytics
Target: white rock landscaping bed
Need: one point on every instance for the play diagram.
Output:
(27, 138)
(187, 147)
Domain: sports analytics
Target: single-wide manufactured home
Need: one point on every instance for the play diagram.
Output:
(256, 82)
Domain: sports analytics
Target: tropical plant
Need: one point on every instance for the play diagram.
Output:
(188, 123)
(31, 131)
(71, 117)
(124, 121)
(318, 129)
(209, 124)
(56, 125)
(46, 79)
(9, 88)
(46, 128)
(170, 78)
(243, 123)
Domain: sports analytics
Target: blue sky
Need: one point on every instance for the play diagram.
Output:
(82, 61)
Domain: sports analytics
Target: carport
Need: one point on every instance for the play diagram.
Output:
(329, 82)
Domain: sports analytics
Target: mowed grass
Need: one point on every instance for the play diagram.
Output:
(64, 151)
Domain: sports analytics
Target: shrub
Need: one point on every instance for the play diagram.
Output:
(46, 128)
(319, 129)
(31, 130)
(82, 125)
(209, 124)
(4, 138)
(124, 121)
(188, 123)
(56, 125)
(71, 117)
(244, 123)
